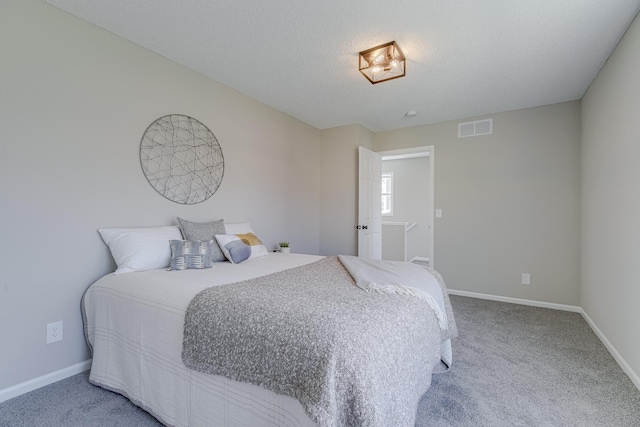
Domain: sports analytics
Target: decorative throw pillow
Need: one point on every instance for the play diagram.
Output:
(188, 254)
(204, 231)
(139, 249)
(244, 229)
(258, 249)
(233, 248)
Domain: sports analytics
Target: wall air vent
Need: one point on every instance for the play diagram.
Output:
(479, 127)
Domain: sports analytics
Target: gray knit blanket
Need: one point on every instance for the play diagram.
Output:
(396, 277)
(352, 358)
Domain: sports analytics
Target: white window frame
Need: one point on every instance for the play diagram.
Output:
(388, 176)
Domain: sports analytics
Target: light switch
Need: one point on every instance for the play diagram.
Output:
(438, 213)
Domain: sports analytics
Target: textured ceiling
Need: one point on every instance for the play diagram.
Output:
(464, 57)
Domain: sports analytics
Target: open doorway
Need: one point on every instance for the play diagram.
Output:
(408, 200)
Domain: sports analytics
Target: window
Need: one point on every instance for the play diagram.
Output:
(387, 193)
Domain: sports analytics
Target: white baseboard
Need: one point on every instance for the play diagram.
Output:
(612, 350)
(623, 363)
(563, 307)
(27, 386)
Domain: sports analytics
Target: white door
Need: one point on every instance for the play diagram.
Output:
(369, 204)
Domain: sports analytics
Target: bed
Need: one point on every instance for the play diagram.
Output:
(135, 326)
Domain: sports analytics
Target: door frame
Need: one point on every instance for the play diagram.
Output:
(424, 151)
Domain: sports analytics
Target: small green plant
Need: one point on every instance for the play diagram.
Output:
(284, 244)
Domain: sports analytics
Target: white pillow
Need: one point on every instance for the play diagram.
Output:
(239, 247)
(139, 249)
(233, 248)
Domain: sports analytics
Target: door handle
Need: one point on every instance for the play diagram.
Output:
(361, 227)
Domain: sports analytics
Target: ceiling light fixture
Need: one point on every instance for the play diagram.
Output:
(382, 63)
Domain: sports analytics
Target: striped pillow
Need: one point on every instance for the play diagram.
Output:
(188, 254)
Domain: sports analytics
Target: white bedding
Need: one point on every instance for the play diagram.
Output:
(134, 323)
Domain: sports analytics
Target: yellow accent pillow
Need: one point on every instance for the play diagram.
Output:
(250, 239)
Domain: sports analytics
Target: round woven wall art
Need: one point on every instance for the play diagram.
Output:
(181, 159)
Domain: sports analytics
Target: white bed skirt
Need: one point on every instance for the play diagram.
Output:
(181, 397)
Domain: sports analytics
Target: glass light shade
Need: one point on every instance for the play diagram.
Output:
(382, 63)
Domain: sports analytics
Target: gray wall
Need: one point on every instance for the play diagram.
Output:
(510, 202)
(74, 103)
(393, 242)
(75, 100)
(339, 190)
(611, 199)
(411, 202)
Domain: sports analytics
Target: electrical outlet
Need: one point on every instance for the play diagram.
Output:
(54, 332)
(526, 279)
